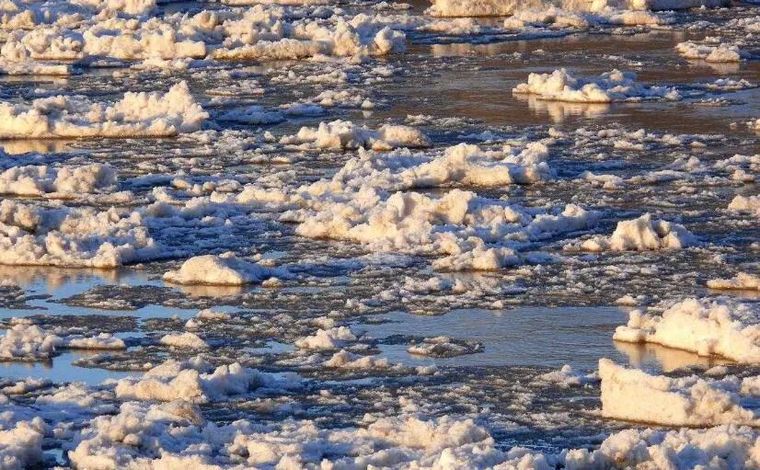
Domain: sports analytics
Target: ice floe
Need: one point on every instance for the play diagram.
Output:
(703, 327)
(221, 270)
(135, 115)
(686, 401)
(608, 87)
(642, 234)
(73, 237)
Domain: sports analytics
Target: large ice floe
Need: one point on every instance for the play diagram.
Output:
(608, 87)
(686, 401)
(703, 327)
(72, 237)
(135, 115)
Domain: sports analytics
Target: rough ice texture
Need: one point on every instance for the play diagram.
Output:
(186, 340)
(634, 395)
(21, 444)
(508, 7)
(135, 115)
(749, 204)
(101, 341)
(367, 201)
(332, 338)
(25, 342)
(66, 180)
(194, 381)
(742, 281)
(719, 53)
(76, 237)
(342, 135)
(702, 327)
(642, 234)
(45, 33)
(178, 437)
(608, 87)
(220, 270)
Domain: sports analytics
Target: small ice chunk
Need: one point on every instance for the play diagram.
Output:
(642, 234)
(186, 340)
(220, 270)
(742, 281)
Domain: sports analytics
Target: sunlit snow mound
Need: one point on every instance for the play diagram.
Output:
(221, 270)
(608, 87)
(703, 327)
(135, 115)
(342, 135)
(716, 53)
(44, 35)
(640, 235)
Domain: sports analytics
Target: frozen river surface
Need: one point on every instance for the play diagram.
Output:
(327, 234)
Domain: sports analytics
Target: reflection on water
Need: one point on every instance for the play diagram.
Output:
(61, 369)
(52, 279)
(649, 356)
(530, 336)
(202, 290)
(18, 147)
(534, 336)
(558, 111)
(722, 68)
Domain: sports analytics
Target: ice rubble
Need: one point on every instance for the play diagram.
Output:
(72, 237)
(719, 53)
(28, 342)
(508, 7)
(21, 443)
(55, 31)
(196, 381)
(749, 204)
(342, 135)
(742, 281)
(172, 435)
(686, 401)
(367, 201)
(332, 338)
(221, 270)
(66, 181)
(642, 234)
(608, 87)
(703, 327)
(135, 115)
(24, 342)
